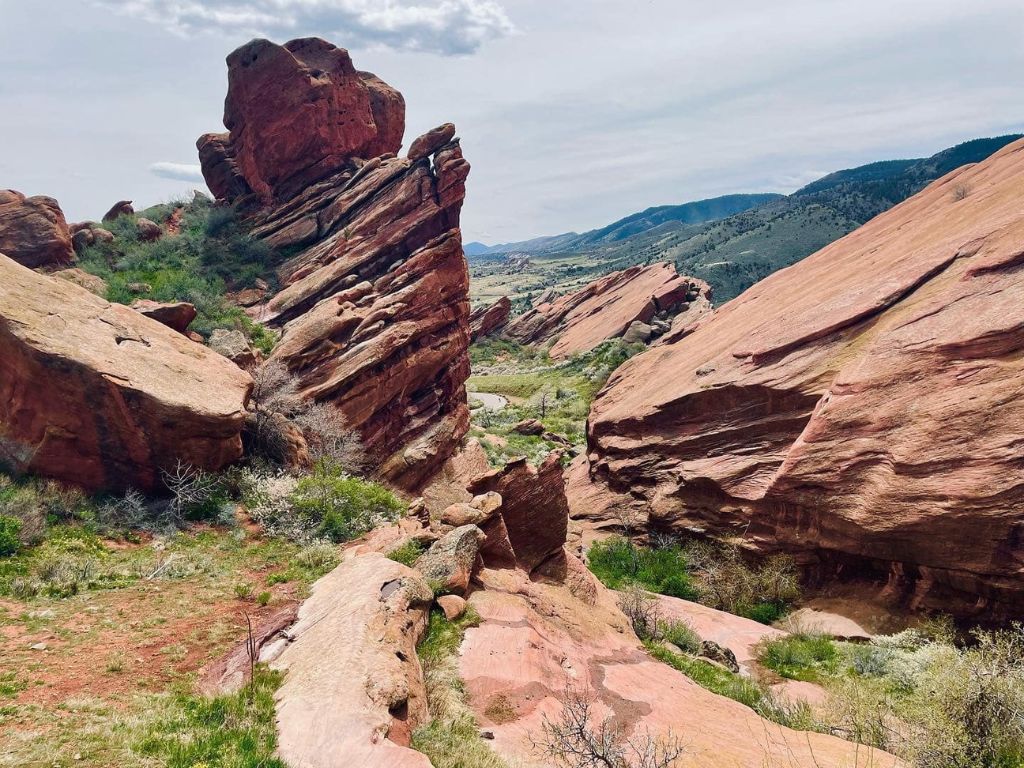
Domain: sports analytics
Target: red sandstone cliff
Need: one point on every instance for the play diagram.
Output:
(862, 408)
(374, 306)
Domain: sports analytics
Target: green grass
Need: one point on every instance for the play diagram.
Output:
(408, 553)
(234, 731)
(444, 637)
(738, 688)
(451, 739)
(800, 657)
(212, 254)
(617, 561)
(559, 395)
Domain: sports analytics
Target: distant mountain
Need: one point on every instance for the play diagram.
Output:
(697, 212)
(475, 248)
(735, 251)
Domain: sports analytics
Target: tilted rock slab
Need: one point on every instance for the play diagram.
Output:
(534, 509)
(375, 304)
(99, 395)
(862, 408)
(353, 689)
(486, 321)
(605, 308)
(33, 230)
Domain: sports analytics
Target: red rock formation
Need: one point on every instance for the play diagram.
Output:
(485, 321)
(605, 308)
(533, 507)
(375, 308)
(297, 113)
(177, 314)
(99, 395)
(33, 231)
(120, 208)
(861, 408)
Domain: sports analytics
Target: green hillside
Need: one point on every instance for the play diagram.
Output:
(732, 252)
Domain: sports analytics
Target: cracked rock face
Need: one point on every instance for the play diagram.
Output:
(861, 409)
(99, 395)
(374, 306)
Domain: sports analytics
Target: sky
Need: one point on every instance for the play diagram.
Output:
(573, 113)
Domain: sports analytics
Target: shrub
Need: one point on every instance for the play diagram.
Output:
(319, 556)
(800, 656)
(10, 527)
(681, 635)
(617, 560)
(762, 592)
(408, 553)
(342, 507)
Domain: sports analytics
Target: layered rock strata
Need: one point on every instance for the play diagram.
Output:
(861, 409)
(374, 306)
(652, 295)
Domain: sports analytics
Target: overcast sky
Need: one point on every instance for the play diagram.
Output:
(572, 112)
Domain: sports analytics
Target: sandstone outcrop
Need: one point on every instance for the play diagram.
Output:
(860, 409)
(449, 562)
(96, 394)
(33, 231)
(607, 307)
(118, 209)
(365, 617)
(486, 321)
(297, 113)
(534, 510)
(535, 639)
(374, 308)
(174, 314)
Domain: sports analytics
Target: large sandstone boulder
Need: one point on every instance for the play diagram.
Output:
(533, 510)
(353, 689)
(861, 409)
(486, 321)
(99, 395)
(374, 306)
(607, 307)
(296, 113)
(33, 231)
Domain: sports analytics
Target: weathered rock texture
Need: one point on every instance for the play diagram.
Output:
(33, 231)
(535, 639)
(99, 395)
(485, 321)
(353, 690)
(862, 408)
(605, 309)
(375, 307)
(534, 511)
(296, 113)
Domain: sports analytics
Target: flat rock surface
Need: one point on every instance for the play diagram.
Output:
(352, 659)
(860, 407)
(736, 633)
(536, 638)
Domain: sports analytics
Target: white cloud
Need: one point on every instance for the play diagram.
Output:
(178, 171)
(447, 27)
